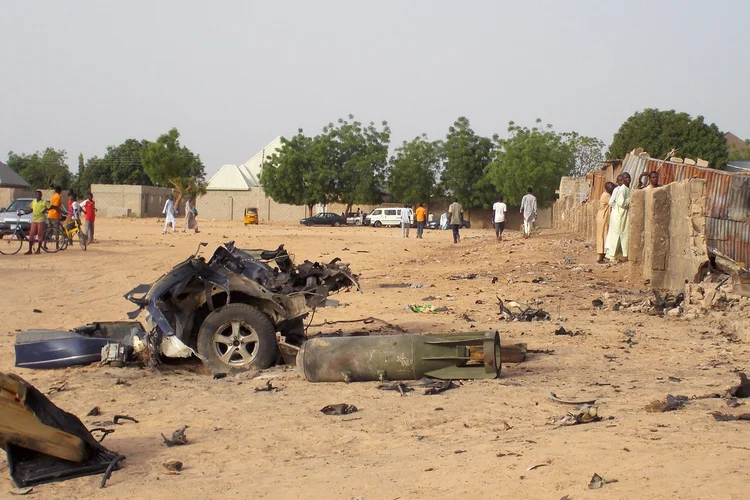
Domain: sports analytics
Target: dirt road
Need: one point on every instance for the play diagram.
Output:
(476, 441)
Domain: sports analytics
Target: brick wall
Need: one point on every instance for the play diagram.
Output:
(121, 201)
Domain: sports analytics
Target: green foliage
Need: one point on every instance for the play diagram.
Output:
(346, 164)
(120, 165)
(414, 170)
(658, 132)
(740, 153)
(536, 158)
(588, 154)
(42, 170)
(288, 176)
(466, 156)
(167, 163)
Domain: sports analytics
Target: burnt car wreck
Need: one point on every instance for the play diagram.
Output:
(228, 309)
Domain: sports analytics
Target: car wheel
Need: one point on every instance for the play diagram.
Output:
(236, 338)
(377, 224)
(310, 223)
(336, 224)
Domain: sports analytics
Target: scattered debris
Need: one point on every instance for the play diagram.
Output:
(725, 417)
(598, 303)
(395, 386)
(458, 452)
(43, 442)
(743, 389)
(219, 376)
(426, 308)
(57, 388)
(555, 398)
(338, 409)
(466, 317)
(670, 404)
(469, 276)
(115, 421)
(174, 465)
(36, 311)
(21, 491)
(584, 414)
(439, 386)
(674, 379)
(178, 437)
(516, 311)
(267, 388)
(536, 466)
(494, 280)
(394, 285)
(94, 412)
(571, 333)
(120, 381)
(539, 280)
(598, 481)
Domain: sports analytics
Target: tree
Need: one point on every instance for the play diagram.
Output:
(658, 132)
(588, 154)
(120, 165)
(168, 163)
(414, 170)
(42, 170)
(288, 176)
(536, 158)
(350, 162)
(466, 156)
(739, 153)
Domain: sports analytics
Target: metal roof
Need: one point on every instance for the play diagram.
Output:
(9, 178)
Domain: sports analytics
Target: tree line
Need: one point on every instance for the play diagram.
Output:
(348, 162)
(164, 162)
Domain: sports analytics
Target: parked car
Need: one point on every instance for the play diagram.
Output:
(324, 219)
(435, 224)
(9, 216)
(386, 216)
(354, 219)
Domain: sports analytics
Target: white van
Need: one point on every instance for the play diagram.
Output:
(386, 216)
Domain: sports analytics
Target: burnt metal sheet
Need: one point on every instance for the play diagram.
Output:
(730, 238)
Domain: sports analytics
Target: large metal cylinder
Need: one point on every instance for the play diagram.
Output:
(400, 357)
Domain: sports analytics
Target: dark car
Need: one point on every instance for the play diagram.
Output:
(324, 219)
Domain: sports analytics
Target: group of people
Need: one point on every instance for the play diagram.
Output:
(170, 211)
(52, 212)
(613, 218)
(455, 217)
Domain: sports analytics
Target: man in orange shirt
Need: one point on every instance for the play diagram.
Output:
(420, 215)
(54, 216)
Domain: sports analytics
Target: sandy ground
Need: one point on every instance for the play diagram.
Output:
(245, 444)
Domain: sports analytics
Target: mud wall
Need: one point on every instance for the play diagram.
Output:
(668, 234)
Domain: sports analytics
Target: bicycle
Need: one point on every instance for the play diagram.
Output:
(72, 229)
(12, 241)
(54, 238)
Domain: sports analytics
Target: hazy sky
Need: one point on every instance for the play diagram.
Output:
(232, 75)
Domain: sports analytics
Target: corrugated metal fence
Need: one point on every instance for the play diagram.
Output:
(727, 208)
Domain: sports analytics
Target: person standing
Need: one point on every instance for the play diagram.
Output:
(653, 180)
(190, 216)
(38, 222)
(89, 208)
(405, 221)
(602, 221)
(499, 209)
(456, 216)
(54, 215)
(617, 238)
(169, 211)
(528, 211)
(421, 217)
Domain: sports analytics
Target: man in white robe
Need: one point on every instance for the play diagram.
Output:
(528, 212)
(169, 212)
(619, 220)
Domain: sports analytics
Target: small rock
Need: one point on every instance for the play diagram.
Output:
(174, 465)
(675, 313)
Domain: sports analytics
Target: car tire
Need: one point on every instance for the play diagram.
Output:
(310, 224)
(226, 335)
(336, 224)
(377, 224)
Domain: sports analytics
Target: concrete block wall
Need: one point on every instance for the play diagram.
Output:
(668, 234)
(125, 200)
